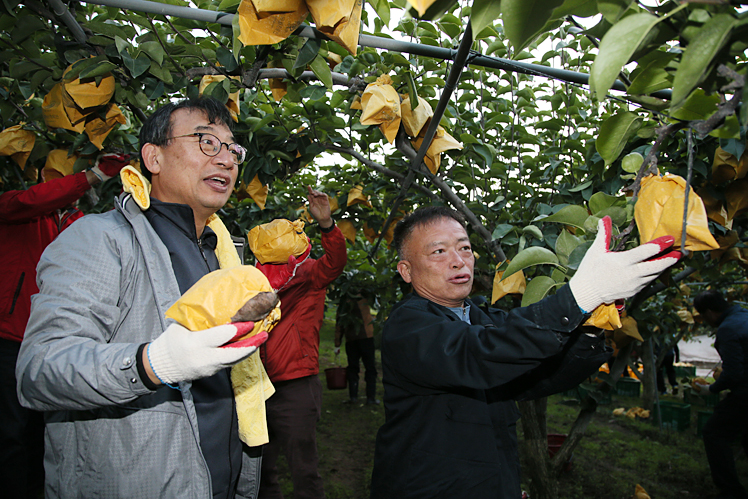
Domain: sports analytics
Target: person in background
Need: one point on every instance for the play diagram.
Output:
(137, 405)
(353, 322)
(729, 422)
(29, 221)
(291, 357)
(452, 372)
(672, 356)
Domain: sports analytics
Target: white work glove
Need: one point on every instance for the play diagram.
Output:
(605, 276)
(183, 355)
(337, 350)
(703, 389)
(108, 165)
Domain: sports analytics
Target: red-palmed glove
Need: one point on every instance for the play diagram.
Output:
(183, 355)
(605, 276)
(109, 165)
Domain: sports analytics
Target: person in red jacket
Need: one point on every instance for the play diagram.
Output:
(291, 358)
(29, 221)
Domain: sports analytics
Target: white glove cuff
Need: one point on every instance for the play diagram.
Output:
(165, 369)
(587, 297)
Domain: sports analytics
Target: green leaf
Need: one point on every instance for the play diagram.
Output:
(699, 54)
(501, 230)
(600, 201)
(528, 257)
(632, 162)
(579, 8)
(615, 133)
(698, 106)
(154, 50)
(573, 215)
(226, 58)
(484, 13)
(322, 70)
(534, 231)
(100, 69)
(576, 256)
(616, 48)
(565, 244)
(412, 91)
(524, 19)
(307, 53)
(537, 289)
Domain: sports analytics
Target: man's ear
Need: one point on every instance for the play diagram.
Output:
(403, 267)
(150, 154)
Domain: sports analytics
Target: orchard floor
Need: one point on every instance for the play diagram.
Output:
(616, 453)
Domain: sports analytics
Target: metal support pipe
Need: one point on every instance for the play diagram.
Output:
(374, 42)
(67, 18)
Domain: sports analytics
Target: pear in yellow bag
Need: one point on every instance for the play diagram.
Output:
(659, 212)
(275, 241)
(236, 294)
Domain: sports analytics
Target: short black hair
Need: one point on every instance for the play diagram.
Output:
(421, 216)
(710, 300)
(158, 127)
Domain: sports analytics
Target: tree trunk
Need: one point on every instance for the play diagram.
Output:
(542, 481)
(649, 378)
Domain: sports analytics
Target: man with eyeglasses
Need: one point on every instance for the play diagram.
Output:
(136, 404)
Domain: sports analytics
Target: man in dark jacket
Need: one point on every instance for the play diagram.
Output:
(29, 221)
(729, 422)
(451, 372)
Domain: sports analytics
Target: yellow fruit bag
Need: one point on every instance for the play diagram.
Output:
(275, 241)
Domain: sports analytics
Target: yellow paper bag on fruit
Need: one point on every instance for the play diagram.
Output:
(98, 129)
(736, 195)
(233, 103)
(380, 105)
(727, 167)
(640, 493)
(605, 317)
(441, 142)
(340, 20)
(59, 161)
(715, 209)
(268, 27)
(659, 212)
(53, 110)
(369, 233)
(685, 316)
(415, 119)
(356, 196)
(17, 143)
(257, 191)
(86, 93)
(421, 5)
(275, 241)
(514, 284)
(348, 229)
(217, 297)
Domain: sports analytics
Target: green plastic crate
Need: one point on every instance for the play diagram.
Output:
(701, 418)
(675, 416)
(685, 371)
(628, 387)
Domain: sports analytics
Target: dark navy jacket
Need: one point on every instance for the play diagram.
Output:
(450, 387)
(732, 345)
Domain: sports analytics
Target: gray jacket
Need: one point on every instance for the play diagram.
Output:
(104, 286)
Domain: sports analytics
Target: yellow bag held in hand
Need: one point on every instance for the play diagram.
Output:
(275, 241)
(222, 297)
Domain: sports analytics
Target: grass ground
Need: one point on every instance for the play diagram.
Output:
(616, 453)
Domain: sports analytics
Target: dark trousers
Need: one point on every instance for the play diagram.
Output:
(669, 368)
(292, 413)
(356, 350)
(21, 434)
(727, 425)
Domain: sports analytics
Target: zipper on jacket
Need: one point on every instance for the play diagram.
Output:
(202, 253)
(18, 292)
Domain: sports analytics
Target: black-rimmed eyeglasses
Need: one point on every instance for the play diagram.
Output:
(210, 145)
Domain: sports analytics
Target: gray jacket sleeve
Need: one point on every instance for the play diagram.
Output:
(83, 333)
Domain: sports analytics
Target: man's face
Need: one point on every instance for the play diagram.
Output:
(183, 174)
(438, 261)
